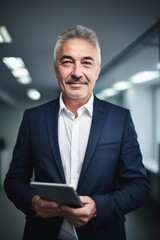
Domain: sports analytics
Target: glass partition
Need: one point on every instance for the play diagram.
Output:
(132, 80)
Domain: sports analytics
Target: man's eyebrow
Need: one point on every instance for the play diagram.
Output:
(88, 58)
(66, 56)
(71, 58)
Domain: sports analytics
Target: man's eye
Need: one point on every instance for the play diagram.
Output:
(87, 63)
(66, 62)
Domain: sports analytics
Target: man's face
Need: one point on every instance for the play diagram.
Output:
(77, 68)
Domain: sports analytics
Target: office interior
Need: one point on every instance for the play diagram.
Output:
(129, 35)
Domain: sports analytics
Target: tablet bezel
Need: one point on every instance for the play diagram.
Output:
(61, 193)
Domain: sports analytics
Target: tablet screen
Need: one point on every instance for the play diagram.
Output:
(63, 194)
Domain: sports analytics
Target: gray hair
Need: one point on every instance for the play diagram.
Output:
(80, 32)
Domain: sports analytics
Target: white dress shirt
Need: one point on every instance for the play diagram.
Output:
(73, 134)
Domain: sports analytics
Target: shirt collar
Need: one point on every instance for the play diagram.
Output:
(88, 106)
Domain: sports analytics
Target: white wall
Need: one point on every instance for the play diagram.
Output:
(142, 102)
(10, 119)
(157, 122)
(9, 123)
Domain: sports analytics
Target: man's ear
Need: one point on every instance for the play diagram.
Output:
(98, 70)
(55, 68)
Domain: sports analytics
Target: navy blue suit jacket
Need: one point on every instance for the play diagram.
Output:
(112, 173)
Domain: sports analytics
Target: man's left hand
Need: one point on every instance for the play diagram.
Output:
(80, 216)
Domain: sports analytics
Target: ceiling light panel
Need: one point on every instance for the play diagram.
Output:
(33, 94)
(4, 35)
(158, 66)
(18, 69)
(13, 62)
(120, 86)
(108, 92)
(20, 72)
(24, 80)
(144, 76)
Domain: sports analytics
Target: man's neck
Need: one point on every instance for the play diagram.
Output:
(74, 104)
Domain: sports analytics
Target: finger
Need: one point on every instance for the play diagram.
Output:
(68, 210)
(46, 204)
(45, 212)
(85, 199)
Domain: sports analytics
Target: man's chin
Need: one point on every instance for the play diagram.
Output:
(77, 96)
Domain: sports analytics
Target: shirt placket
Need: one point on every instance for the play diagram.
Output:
(74, 152)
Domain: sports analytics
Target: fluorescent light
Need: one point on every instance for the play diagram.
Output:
(17, 67)
(144, 76)
(108, 92)
(20, 72)
(24, 80)
(4, 35)
(120, 86)
(158, 66)
(13, 62)
(33, 94)
(1, 39)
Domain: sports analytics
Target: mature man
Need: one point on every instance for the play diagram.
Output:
(80, 140)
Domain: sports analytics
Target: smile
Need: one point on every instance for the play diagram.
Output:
(82, 82)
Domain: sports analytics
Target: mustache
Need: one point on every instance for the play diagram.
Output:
(76, 80)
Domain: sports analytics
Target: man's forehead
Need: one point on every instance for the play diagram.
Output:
(78, 46)
(77, 43)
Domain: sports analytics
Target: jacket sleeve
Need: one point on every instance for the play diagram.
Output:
(132, 182)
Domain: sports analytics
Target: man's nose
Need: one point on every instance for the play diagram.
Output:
(77, 71)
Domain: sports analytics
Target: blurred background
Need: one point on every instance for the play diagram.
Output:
(129, 35)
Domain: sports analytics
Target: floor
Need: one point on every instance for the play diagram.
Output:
(142, 224)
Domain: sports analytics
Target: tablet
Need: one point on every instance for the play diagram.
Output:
(61, 193)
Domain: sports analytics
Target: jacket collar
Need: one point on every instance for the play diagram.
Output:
(52, 126)
(98, 121)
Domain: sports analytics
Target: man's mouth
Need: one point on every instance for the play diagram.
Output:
(79, 82)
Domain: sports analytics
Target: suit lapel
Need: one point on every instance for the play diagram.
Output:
(52, 126)
(99, 117)
(98, 120)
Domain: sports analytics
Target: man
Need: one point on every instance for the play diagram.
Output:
(80, 140)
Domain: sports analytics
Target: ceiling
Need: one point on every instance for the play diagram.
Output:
(35, 25)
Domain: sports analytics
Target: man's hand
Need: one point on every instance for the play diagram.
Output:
(44, 208)
(76, 216)
(80, 216)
